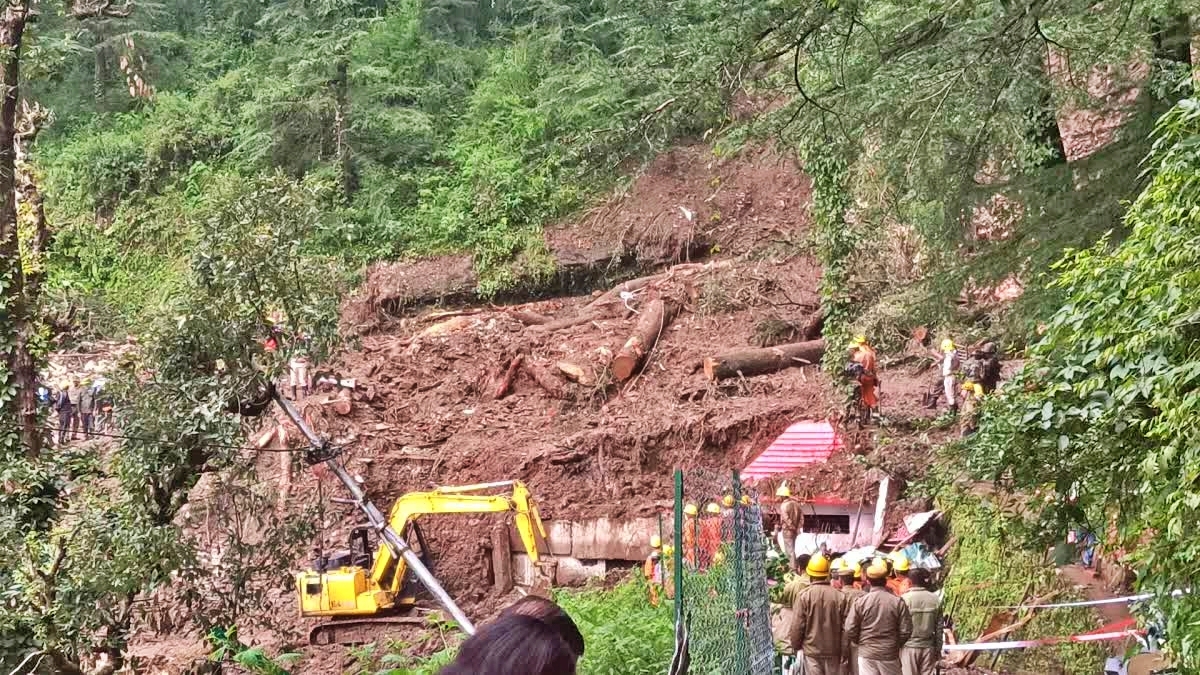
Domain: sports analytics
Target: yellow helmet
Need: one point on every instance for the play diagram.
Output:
(857, 569)
(690, 510)
(947, 345)
(668, 550)
(783, 490)
(727, 500)
(860, 339)
(655, 541)
(718, 557)
(713, 509)
(877, 569)
(900, 561)
(818, 566)
(746, 500)
(836, 566)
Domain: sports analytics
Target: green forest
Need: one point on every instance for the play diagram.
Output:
(179, 170)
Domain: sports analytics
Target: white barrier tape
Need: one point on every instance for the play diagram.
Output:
(1091, 603)
(1023, 644)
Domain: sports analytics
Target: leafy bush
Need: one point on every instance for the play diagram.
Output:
(624, 634)
(1102, 419)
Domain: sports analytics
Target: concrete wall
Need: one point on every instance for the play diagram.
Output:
(599, 538)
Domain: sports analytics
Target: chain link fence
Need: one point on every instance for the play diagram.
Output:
(718, 565)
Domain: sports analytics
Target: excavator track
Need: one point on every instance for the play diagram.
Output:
(359, 630)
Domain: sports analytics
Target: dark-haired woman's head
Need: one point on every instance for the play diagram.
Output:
(514, 644)
(551, 614)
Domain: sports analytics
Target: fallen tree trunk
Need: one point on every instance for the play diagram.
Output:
(751, 362)
(655, 318)
(551, 384)
(610, 304)
(529, 318)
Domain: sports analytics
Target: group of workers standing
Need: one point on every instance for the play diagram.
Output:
(82, 407)
(979, 375)
(703, 534)
(851, 620)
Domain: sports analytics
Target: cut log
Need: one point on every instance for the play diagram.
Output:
(529, 318)
(552, 385)
(655, 318)
(340, 404)
(506, 381)
(502, 558)
(574, 373)
(751, 362)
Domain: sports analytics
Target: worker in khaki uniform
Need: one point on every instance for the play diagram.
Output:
(817, 622)
(921, 652)
(791, 522)
(879, 623)
(849, 573)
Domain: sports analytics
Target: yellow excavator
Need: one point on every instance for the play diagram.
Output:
(358, 588)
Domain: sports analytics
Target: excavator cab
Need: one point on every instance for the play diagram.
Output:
(367, 584)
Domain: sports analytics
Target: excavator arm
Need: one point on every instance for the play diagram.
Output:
(388, 572)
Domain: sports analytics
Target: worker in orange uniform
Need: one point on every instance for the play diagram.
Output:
(653, 569)
(862, 354)
(899, 583)
(710, 534)
(791, 522)
(691, 516)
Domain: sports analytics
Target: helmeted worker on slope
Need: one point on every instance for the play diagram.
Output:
(791, 522)
(950, 363)
(818, 617)
(862, 356)
(921, 652)
(880, 624)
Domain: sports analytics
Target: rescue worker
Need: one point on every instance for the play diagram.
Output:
(972, 393)
(921, 652)
(880, 624)
(899, 583)
(989, 367)
(863, 355)
(818, 617)
(835, 573)
(65, 410)
(691, 516)
(949, 368)
(710, 534)
(653, 570)
(668, 570)
(849, 574)
(791, 522)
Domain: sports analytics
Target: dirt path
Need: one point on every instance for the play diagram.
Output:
(1093, 588)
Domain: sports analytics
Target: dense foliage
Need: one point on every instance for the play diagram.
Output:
(1102, 418)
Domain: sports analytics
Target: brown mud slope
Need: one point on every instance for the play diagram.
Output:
(685, 206)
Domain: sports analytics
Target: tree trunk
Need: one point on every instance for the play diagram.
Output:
(655, 318)
(341, 94)
(502, 558)
(751, 362)
(506, 380)
(21, 371)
